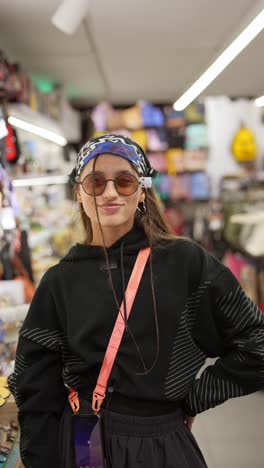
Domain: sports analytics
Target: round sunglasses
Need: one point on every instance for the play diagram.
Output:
(95, 184)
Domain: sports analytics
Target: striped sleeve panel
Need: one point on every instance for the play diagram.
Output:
(241, 370)
(57, 341)
(186, 358)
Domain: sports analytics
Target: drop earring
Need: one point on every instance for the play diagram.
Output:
(142, 209)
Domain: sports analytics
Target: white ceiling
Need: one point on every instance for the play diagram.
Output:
(148, 49)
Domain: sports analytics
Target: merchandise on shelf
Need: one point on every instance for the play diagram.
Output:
(175, 142)
(243, 207)
(34, 164)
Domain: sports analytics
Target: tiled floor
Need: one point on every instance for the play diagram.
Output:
(232, 435)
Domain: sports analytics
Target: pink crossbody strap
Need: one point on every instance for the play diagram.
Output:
(118, 331)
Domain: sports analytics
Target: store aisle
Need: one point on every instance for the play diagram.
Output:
(232, 435)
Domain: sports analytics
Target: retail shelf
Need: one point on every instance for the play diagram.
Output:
(23, 117)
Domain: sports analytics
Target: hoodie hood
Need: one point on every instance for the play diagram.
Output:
(132, 242)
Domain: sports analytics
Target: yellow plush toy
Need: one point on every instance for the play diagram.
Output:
(244, 146)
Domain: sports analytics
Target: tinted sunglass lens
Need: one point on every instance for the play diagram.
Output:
(126, 184)
(94, 185)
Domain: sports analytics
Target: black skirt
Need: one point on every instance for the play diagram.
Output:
(139, 442)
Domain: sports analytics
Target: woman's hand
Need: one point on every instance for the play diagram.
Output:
(188, 421)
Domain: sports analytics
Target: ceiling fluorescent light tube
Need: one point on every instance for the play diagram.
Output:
(69, 15)
(36, 130)
(229, 54)
(40, 181)
(260, 101)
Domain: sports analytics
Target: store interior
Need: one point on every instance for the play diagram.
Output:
(72, 70)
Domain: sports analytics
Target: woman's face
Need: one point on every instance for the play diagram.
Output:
(115, 211)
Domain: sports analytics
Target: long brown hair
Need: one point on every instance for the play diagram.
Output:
(152, 221)
(156, 230)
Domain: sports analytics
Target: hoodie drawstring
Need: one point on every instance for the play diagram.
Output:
(123, 282)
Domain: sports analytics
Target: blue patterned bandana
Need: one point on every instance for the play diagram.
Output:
(114, 144)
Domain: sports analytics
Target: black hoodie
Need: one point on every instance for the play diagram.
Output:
(202, 312)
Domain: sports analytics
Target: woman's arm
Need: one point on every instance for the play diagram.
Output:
(36, 382)
(240, 325)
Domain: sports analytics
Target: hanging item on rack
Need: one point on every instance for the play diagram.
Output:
(174, 118)
(175, 160)
(195, 113)
(196, 136)
(199, 225)
(7, 193)
(99, 116)
(200, 186)
(14, 84)
(251, 232)
(140, 137)
(157, 139)
(158, 160)
(13, 152)
(152, 116)
(114, 119)
(132, 118)
(3, 133)
(244, 146)
(176, 137)
(4, 73)
(195, 159)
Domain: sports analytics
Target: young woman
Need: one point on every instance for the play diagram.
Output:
(188, 307)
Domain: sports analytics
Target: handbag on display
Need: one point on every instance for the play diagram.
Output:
(152, 116)
(200, 184)
(12, 146)
(174, 118)
(157, 140)
(99, 116)
(176, 137)
(159, 161)
(196, 136)
(175, 160)
(132, 118)
(114, 118)
(195, 113)
(140, 137)
(88, 433)
(244, 145)
(196, 159)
